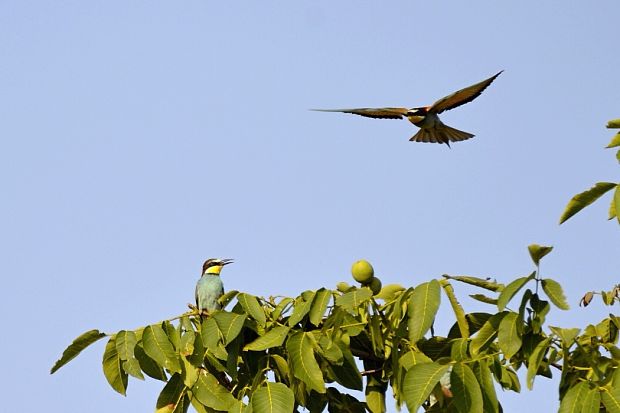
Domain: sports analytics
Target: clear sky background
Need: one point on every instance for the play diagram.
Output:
(140, 138)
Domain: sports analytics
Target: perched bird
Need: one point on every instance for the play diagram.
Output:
(431, 128)
(210, 287)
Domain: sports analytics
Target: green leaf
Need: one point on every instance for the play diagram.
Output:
(509, 379)
(273, 338)
(376, 335)
(459, 313)
(538, 251)
(199, 407)
(76, 347)
(227, 298)
(615, 141)
(347, 374)
(611, 399)
(300, 347)
(273, 398)
(174, 334)
(230, 324)
(423, 306)
(487, 333)
(466, 390)
(319, 305)
(489, 396)
(183, 405)
(508, 336)
(282, 305)
(112, 369)
(211, 337)
(232, 362)
(148, 365)
(342, 403)
(375, 394)
(375, 400)
(485, 283)
(239, 407)
(582, 200)
(573, 399)
(567, 335)
(132, 367)
(616, 200)
(419, 382)
(158, 347)
(252, 307)
(171, 395)
(612, 205)
(541, 309)
(511, 289)
(330, 350)
(125, 344)
(474, 322)
(484, 299)
(302, 307)
(211, 393)
(525, 299)
(353, 299)
(210, 333)
(390, 292)
(280, 369)
(592, 401)
(555, 293)
(189, 373)
(413, 357)
(458, 349)
(613, 124)
(188, 340)
(535, 360)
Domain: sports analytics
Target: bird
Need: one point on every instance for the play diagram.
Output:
(432, 129)
(210, 287)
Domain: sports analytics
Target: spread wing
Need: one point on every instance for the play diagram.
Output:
(462, 96)
(377, 113)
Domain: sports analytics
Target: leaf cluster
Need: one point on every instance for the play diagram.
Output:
(583, 199)
(280, 354)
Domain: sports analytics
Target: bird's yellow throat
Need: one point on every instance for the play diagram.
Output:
(215, 270)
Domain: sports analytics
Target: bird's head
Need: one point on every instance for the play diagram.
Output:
(214, 265)
(418, 111)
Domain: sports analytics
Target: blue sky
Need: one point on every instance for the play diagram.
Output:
(139, 138)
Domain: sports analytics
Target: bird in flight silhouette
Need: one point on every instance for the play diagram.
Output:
(432, 129)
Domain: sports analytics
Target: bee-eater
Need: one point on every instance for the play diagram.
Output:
(431, 128)
(210, 287)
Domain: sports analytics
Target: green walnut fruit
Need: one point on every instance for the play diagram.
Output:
(342, 286)
(375, 285)
(362, 271)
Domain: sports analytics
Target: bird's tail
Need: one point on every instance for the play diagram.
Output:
(441, 134)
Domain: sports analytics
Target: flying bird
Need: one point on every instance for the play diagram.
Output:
(432, 129)
(210, 287)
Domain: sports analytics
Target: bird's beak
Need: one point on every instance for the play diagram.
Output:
(227, 261)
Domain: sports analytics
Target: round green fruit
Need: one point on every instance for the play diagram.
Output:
(375, 285)
(342, 286)
(362, 271)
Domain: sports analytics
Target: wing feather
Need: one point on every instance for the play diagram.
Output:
(377, 113)
(462, 96)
